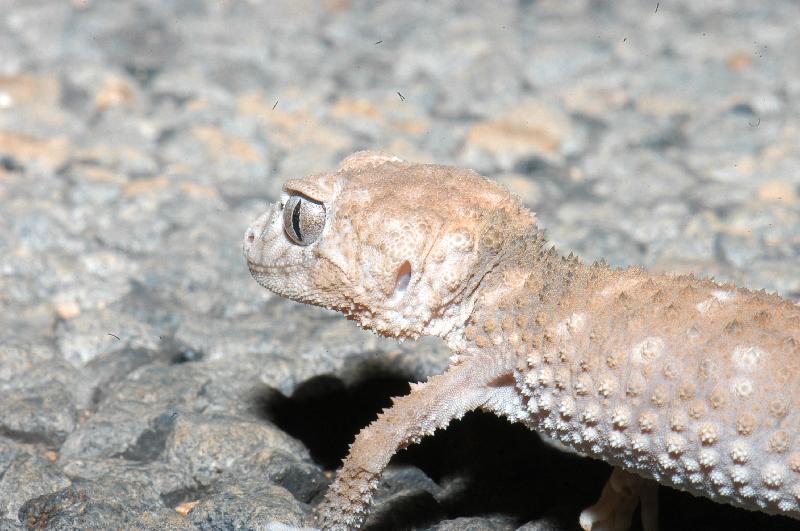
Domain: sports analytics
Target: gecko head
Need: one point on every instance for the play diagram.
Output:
(396, 246)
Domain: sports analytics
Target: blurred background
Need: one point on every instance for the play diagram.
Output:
(147, 382)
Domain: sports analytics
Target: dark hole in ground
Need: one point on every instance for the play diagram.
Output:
(326, 415)
(495, 467)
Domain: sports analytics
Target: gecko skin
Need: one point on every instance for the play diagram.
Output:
(685, 381)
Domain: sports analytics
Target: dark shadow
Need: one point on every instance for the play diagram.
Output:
(417, 510)
(681, 510)
(326, 415)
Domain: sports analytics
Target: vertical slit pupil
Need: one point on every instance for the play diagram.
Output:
(296, 220)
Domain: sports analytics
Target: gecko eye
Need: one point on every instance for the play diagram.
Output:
(303, 219)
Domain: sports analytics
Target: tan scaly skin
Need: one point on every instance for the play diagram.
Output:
(675, 379)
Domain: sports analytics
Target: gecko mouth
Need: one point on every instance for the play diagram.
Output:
(272, 269)
(273, 277)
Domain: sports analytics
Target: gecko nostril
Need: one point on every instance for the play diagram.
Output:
(251, 236)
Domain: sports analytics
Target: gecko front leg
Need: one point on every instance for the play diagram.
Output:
(468, 385)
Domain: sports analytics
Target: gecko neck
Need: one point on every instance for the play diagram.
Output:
(528, 272)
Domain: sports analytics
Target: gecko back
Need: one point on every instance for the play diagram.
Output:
(678, 379)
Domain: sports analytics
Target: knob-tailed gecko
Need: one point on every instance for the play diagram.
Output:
(677, 379)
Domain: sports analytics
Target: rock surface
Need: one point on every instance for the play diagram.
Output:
(146, 382)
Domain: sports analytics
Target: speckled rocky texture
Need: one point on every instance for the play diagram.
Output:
(142, 370)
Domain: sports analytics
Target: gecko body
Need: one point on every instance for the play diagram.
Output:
(680, 380)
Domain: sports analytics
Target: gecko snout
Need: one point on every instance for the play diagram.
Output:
(253, 246)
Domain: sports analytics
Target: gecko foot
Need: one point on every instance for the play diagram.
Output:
(621, 494)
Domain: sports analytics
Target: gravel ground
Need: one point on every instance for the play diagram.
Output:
(146, 382)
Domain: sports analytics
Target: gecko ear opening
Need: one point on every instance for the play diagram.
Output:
(403, 278)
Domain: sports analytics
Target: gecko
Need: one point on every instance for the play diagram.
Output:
(672, 379)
